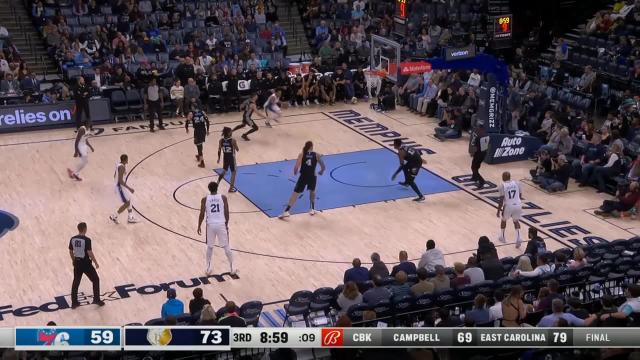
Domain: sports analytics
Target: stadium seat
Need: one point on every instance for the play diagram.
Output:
(382, 309)
(425, 301)
(322, 299)
(250, 312)
(155, 322)
(119, 104)
(298, 305)
(444, 297)
(355, 312)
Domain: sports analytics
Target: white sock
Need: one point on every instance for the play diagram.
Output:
(227, 251)
(209, 257)
(518, 238)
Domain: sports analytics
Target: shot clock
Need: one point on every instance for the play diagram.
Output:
(176, 338)
(276, 337)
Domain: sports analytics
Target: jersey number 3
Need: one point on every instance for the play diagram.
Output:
(215, 208)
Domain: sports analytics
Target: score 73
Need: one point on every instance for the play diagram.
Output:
(211, 336)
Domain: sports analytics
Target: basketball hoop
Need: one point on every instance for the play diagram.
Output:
(374, 80)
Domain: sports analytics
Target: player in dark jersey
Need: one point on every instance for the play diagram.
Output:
(306, 164)
(248, 108)
(200, 130)
(228, 146)
(410, 164)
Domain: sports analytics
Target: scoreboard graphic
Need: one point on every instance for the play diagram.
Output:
(216, 338)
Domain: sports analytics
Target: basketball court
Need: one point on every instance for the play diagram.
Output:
(362, 211)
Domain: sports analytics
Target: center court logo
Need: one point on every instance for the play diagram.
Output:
(21, 117)
(332, 337)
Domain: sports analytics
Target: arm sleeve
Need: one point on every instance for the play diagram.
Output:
(71, 244)
(87, 245)
(627, 310)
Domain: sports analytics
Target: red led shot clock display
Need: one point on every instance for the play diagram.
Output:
(502, 26)
(401, 9)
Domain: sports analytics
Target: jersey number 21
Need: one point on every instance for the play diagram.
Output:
(215, 208)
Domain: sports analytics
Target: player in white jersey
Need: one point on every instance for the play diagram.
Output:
(510, 204)
(123, 191)
(81, 150)
(216, 209)
(272, 108)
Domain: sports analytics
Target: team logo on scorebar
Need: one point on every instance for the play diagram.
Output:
(159, 337)
(332, 337)
(50, 337)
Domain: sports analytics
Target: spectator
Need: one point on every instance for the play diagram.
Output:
(479, 314)
(423, 286)
(177, 96)
(524, 264)
(631, 306)
(172, 307)
(445, 320)
(154, 103)
(473, 272)
(545, 304)
(9, 84)
(378, 268)
(198, 302)
(486, 249)
(586, 81)
(576, 309)
(431, 257)
(535, 245)
(600, 174)
(495, 311)
(609, 307)
(558, 179)
(357, 273)
(405, 265)
(82, 94)
(557, 306)
(542, 268)
(625, 201)
(452, 130)
(562, 50)
(513, 308)
(492, 268)
(592, 156)
(427, 96)
(579, 259)
(441, 281)
(30, 84)
(377, 293)
(349, 296)
(192, 94)
(475, 78)
(207, 315)
(461, 279)
(327, 87)
(231, 316)
(400, 288)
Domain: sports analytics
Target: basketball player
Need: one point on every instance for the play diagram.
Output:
(82, 147)
(124, 191)
(272, 107)
(200, 130)
(510, 204)
(83, 259)
(306, 163)
(216, 208)
(410, 164)
(228, 146)
(248, 107)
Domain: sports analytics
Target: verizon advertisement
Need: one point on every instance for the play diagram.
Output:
(32, 116)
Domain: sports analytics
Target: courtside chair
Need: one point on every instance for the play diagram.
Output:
(355, 311)
(136, 106)
(119, 105)
(250, 312)
(383, 309)
(298, 306)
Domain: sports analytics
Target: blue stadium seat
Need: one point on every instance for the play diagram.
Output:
(404, 304)
(382, 308)
(355, 311)
(298, 305)
(425, 301)
(250, 312)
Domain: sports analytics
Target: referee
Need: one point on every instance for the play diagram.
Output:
(82, 259)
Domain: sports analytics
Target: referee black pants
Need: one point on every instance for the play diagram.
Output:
(84, 267)
(155, 108)
(82, 106)
(478, 158)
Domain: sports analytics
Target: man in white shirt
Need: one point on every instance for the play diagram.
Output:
(510, 205)
(474, 78)
(431, 257)
(495, 311)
